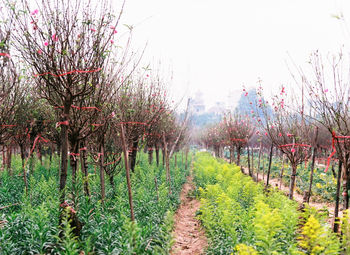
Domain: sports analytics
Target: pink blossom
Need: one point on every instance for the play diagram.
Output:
(93, 29)
(54, 37)
(35, 12)
(266, 133)
(246, 94)
(115, 31)
(279, 134)
(326, 90)
(46, 43)
(292, 150)
(39, 51)
(289, 135)
(112, 41)
(113, 114)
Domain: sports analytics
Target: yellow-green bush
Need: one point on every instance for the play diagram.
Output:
(237, 217)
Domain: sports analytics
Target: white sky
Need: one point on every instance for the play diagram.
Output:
(220, 45)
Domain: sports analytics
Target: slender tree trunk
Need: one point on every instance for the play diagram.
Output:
(150, 155)
(337, 195)
(231, 154)
(346, 184)
(314, 151)
(133, 154)
(257, 172)
(163, 157)
(3, 158)
(23, 168)
(167, 162)
(102, 169)
(84, 169)
(186, 159)
(292, 181)
(64, 152)
(157, 154)
(9, 159)
(249, 169)
(263, 168)
(74, 165)
(239, 158)
(125, 151)
(269, 168)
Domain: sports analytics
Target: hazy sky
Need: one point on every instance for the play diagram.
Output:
(218, 46)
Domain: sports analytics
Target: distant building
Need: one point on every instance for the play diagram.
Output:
(219, 108)
(197, 105)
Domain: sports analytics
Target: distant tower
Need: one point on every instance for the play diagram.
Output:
(197, 103)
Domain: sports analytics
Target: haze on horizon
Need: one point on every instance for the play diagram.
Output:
(217, 47)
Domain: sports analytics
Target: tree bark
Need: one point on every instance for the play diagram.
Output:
(9, 159)
(102, 169)
(167, 162)
(269, 168)
(84, 169)
(64, 152)
(292, 181)
(311, 173)
(133, 154)
(257, 172)
(150, 155)
(249, 169)
(157, 154)
(22, 147)
(125, 151)
(337, 195)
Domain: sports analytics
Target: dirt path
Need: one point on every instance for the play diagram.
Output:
(299, 198)
(188, 234)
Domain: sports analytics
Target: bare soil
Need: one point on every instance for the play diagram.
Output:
(188, 233)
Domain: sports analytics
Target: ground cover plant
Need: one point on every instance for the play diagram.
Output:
(32, 225)
(240, 217)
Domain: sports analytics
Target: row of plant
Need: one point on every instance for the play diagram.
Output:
(241, 217)
(32, 226)
(324, 183)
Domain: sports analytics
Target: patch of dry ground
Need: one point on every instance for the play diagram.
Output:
(188, 233)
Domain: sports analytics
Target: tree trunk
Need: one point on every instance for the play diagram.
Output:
(337, 195)
(167, 162)
(64, 152)
(269, 168)
(150, 155)
(292, 181)
(133, 154)
(253, 163)
(125, 151)
(3, 158)
(239, 158)
(23, 168)
(84, 169)
(231, 154)
(102, 169)
(311, 173)
(186, 159)
(257, 172)
(249, 169)
(157, 154)
(346, 183)
(74, 165)
(9, 159)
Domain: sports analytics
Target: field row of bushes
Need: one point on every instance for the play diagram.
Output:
(32, 226)
(240, 217)
(323, 186)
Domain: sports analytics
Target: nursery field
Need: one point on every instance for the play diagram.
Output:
(30, 223)
(241, 217)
